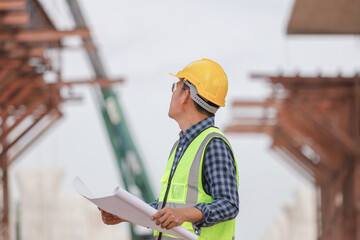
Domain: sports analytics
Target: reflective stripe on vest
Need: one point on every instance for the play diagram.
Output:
(193, 188)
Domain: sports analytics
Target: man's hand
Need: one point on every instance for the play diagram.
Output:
(173, 217)
(109, 218)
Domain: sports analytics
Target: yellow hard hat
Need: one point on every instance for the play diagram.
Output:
(209, 79)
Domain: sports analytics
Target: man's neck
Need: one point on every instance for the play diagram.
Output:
(186, 123)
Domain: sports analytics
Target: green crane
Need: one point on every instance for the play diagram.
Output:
(129, 161)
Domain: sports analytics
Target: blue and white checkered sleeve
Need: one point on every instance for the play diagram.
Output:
(220, 182)
(154, 203)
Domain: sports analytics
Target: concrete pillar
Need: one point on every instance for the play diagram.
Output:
(297, 221)
(39, 194)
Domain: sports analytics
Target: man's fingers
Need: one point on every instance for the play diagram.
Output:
(109, 218)
(111, 222)
(161, 220)
(167, 218)
(155, 216)
(158, 214)
(106, 214)
(167, 221)
(171, 225)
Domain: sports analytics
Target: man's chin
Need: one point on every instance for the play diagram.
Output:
(170, 115)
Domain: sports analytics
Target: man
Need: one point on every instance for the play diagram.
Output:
(199, 186)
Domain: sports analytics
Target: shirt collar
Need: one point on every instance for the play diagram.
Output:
(197, 128)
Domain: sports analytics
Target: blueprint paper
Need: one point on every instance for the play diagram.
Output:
(128, 207)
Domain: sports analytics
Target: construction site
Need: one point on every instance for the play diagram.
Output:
(311, 122)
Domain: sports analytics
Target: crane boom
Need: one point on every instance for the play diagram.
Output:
(128, 158)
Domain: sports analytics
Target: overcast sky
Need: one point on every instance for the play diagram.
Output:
(143, 41)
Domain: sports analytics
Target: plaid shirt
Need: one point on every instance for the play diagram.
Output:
(219, 177)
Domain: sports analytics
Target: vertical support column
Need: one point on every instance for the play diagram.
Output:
(337, 200)
(2, 225)
(324, 202)
(6, 204)
(4, 198)
(356, 118)
(4, 217)
(335, 196)
(39, 205)
(349, 230)
(356, 177)
(357, 197)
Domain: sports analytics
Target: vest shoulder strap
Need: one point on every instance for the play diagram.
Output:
(226, 142)
(193, 180)
(173, 148)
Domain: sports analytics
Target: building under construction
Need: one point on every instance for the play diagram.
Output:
(314, 121)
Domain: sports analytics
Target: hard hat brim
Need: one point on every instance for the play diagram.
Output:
(175, 75)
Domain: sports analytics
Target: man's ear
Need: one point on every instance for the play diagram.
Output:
(186, 97)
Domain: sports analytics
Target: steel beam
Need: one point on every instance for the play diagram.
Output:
(30, 108)
(14, 86)
(42, 35)
(23, 53)
(268, 103)
(103, 82)
(8, 146)
(8, 5)
(241, 128)
(10, 63)
(39, 10)
(316, 171)
(54, 115)
(7, 97)
(12, 74)
(14, 18)
(329, 154)
(338, 136)
(303, 79)
(18, 99)
(3, 74)
(301, 141)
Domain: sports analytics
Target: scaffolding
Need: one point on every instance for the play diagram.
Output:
(29, 102)
(315, 126)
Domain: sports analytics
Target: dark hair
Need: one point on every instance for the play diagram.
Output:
(197, 106)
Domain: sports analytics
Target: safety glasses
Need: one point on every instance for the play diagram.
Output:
(174, 86)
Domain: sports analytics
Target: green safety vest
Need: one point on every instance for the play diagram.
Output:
(186, 188)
